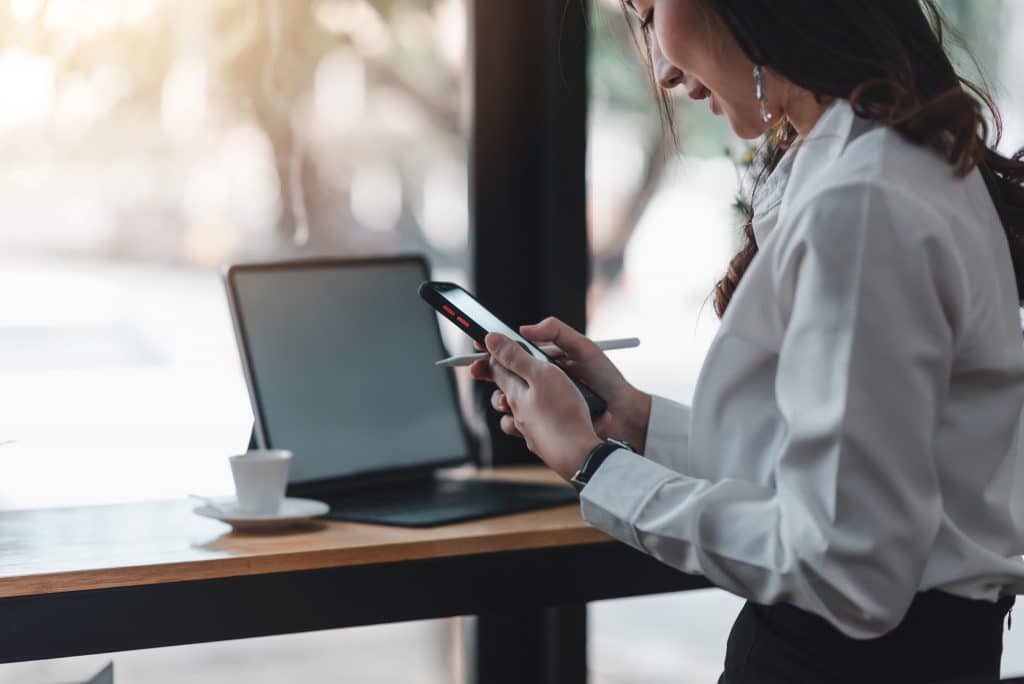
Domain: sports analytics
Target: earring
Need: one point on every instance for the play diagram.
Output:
(759, 93)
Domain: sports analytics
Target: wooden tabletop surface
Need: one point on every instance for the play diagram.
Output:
(68, 549)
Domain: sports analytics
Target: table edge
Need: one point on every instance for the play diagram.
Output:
(262, 564)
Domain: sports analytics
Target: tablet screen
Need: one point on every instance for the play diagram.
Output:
(341, 362)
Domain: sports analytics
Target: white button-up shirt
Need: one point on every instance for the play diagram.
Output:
(855, 431)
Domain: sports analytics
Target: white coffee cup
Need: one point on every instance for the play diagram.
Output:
(260, 477)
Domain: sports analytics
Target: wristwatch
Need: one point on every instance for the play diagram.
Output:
(594, 460)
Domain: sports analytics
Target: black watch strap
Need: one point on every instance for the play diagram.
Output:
(594, 460)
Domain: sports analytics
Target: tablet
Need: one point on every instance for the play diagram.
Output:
(339, 357)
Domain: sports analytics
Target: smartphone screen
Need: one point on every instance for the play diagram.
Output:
(475, 311)
(463, 309)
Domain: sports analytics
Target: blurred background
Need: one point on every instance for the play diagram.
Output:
(144, 143)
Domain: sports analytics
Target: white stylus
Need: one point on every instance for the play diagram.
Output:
(605, 345)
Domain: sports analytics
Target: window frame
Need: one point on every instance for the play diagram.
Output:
(530, 255)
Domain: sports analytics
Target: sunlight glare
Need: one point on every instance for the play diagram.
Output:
(25, 10)
(183, 99)
(445, 212)
(376, 196)
(450, 31)
(232, 193)
(138, 12)
(358, 20)
(29, 78)
(339, 91)
(61, 14)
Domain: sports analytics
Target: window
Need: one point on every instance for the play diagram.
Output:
(662, 231)
(152, 141)
(147, 142)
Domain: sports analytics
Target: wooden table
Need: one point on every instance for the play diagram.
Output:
(86, 580)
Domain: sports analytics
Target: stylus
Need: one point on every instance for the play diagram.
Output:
(605, 345)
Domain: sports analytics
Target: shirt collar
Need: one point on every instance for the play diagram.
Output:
(769, 197)
(801, 162)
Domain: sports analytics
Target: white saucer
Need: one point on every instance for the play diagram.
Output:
(292, 511)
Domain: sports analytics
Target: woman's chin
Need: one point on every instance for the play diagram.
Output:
(747, 130)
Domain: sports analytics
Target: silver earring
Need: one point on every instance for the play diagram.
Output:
(759, 93)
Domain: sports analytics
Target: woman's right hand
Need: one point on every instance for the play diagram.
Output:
(628, 408)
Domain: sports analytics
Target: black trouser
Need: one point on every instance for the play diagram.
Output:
(943, 638)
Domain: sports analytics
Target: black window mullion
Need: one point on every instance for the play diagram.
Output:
(527, 165)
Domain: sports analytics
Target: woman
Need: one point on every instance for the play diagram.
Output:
(851, 462)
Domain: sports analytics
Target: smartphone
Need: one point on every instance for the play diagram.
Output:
(463, 309)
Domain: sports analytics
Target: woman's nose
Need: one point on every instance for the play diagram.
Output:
(668, 76)
(666, 73)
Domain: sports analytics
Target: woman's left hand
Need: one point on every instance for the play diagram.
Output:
(547, 409)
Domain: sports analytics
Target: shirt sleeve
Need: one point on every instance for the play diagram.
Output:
(863, 371)
(668, 434)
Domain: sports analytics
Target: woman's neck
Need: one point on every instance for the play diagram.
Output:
(804, 110)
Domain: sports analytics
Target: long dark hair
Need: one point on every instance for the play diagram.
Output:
(889, 60)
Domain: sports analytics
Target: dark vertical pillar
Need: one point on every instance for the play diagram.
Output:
(528, 167)
(546, 645)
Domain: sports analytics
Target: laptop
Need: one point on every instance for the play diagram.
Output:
(338, 356)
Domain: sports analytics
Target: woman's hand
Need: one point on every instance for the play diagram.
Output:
(629, 409)
(546, 408)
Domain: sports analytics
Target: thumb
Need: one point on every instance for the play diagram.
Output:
(562, 335)
(511, 356)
